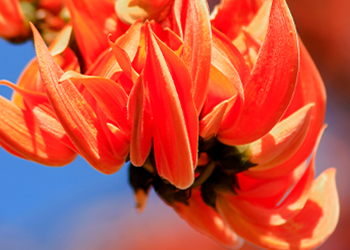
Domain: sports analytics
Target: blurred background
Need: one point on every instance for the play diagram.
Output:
(76, 207)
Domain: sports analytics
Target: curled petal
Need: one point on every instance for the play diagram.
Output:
(125, 49)
(129, 42)
(92, 22)
(22, 132)
(60, 43)
(258, 25)
(30, 96)
(280, 214)
(182, 82)
(141, 125)
(231, 15)
(307, 230)
(110, 96)
(120, 142)
(225, 47)
(74, 113)
(268, 193)
(282, 141)
(256, 29)
(310, 89)
(106, 65)
(205, 220)
(220, 88)
(197, 38)
(124, 62)
(210, 124)
(30, 80)
(229, 73)
(172, 144)
(272, 81)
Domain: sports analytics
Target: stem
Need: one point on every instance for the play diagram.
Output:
(208, 170)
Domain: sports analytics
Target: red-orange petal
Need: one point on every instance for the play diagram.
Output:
(74, 113)
(172, 144)
(229, 73)
(310, 89)
(130, 40)
(197, 45)
(90, 18)
(109, 95)
(206, 221)
(280, 214)
(182, 82)
(272, 81)
(282, 141)
(307, 230)
(141, 125)
(22, 132)
(106, 65)
(124, 62)
(231, 15)
(210, 124)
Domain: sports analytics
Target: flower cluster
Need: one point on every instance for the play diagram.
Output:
(219, 114)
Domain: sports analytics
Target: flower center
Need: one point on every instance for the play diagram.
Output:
(217, 174)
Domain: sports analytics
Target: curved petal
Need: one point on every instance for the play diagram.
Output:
(310, 89)
(124, 62)
(196, 53)
(22, 132)
(92, 21)
(30, 96)
(231, 15)
(228, 75)
(182, 82)
(257, 27)
(106, 65)
(129, 41)
(110, 96)
(220, 88)
(30, 80)
(307, 230)
(280, 214)
(272, 81)
(210, 124)
(282, 141)
(141, 125)
(205, 220)
(172, 144)
(74, 113)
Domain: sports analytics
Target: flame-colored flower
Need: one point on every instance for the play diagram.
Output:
(218, 114)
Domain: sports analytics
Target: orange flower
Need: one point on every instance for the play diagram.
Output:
(218, 116)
